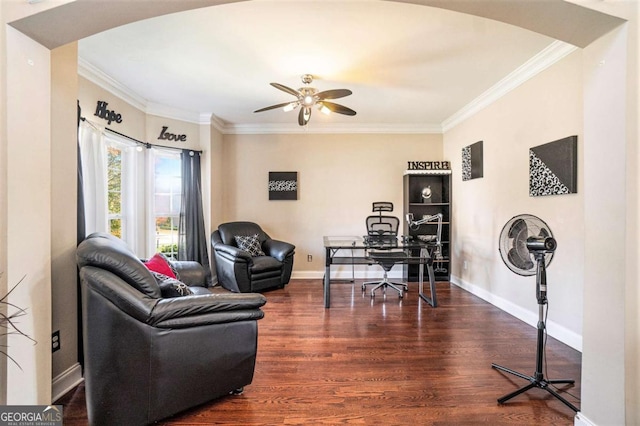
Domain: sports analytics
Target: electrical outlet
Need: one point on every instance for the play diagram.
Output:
(55, 341)
(465, 264)
(309, 258)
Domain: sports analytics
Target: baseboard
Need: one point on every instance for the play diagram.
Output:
(554, 330)
(66, 381)
(581, 420)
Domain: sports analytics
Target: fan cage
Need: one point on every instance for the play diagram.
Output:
(513, 251)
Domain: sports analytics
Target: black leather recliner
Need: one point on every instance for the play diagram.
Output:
(239, 271)
(148, 357)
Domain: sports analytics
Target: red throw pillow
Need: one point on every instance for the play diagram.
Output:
(159, 263)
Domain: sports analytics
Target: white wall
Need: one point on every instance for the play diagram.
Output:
(546, 108)
(606, 353)
(64, 286)
(3, 200)
(28, 220)
(339, 176)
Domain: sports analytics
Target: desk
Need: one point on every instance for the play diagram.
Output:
(333, 246)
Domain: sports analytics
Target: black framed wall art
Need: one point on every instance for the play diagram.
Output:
(553, 168)
(283, 185)
(472, 159)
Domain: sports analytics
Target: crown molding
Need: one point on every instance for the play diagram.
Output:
(383, 128)
(165, 111)
(540, 62)
(543, 60)
(103, 80)
(216, 123)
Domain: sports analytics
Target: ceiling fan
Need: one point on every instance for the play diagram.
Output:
(308, 97)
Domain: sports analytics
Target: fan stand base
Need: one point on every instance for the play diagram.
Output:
(538, 380)
(535, 382)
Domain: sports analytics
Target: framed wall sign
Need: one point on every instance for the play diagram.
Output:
(553, 168)
(472, 159)
(283, 185)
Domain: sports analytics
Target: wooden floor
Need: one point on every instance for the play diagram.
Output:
(385, 361)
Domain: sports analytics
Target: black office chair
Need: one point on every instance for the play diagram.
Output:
(382, 241)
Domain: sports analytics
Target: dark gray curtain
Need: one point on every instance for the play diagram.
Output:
(80, 234)
(80, 206)
(192, 238)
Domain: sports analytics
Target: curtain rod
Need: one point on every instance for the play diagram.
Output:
(148, 145)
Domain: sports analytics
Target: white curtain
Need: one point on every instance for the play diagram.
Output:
(151, 219)
(94, 171)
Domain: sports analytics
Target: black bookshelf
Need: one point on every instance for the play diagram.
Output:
(426, 193)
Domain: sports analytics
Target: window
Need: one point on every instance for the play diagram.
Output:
(124, 189)
(131, 192)
(114, 190)
(167, 196)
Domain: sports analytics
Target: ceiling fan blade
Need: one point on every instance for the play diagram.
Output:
(273, 107)
(301, 117)
(304, 115)
(286, 89)
(333, 94)
(340, 109)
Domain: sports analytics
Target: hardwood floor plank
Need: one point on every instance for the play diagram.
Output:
(386, 361)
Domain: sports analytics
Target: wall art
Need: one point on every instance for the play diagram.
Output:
(553, 168)
(103, 112)
(428, 165)
(164, 135)
(283, 185)
(472, 159)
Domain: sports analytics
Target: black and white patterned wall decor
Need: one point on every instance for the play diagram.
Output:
(553, 168)
(472, 160)
(283, 185)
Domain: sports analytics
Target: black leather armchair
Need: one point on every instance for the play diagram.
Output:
(239, 271)
(148, 357)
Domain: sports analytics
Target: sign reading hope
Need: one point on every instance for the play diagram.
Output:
(103, 112)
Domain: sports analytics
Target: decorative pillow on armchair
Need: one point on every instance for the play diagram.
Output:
(171, 287)
(160, 264)
(249, 244)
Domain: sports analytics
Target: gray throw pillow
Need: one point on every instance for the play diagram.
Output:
(171, 287)
(250, 244)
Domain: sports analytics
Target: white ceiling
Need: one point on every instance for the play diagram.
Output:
(409, 66)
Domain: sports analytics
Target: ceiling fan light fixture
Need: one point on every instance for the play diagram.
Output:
(323, 109)
(289, 107)
(308, 100)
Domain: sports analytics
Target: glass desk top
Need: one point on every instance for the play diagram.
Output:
(360, 252)
(364, 242)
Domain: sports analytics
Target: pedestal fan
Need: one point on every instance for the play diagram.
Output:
(527, 247)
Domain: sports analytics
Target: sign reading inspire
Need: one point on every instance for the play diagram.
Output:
(428, 165)
(32, 415)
